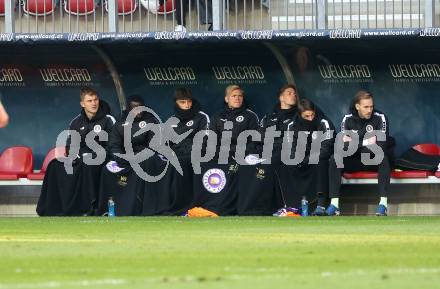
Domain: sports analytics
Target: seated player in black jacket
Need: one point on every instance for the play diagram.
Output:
(75, 193)
(217, 189)
(362, 120)
(118, 179)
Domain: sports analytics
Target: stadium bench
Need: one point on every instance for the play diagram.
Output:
(39, 7)
(125, 7)
(400, 177)
(407, 177)
(52, 154)
(16, 162)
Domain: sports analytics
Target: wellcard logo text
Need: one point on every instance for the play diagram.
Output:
(415, 72)
(245, 74)
(345, 73)
(170, 75)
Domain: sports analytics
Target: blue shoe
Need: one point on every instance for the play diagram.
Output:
(381, 210)
(332, 210)
(319, 211)
(292, 210)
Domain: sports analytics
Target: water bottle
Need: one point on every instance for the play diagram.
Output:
(304, 207)
(111, 207)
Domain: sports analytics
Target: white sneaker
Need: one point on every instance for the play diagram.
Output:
(180, 28)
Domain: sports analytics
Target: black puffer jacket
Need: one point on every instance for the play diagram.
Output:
(193, 119)
(139, 142)
(102, 121)
(242, 119)
(319, 124)
(282, 120)
(326, 126)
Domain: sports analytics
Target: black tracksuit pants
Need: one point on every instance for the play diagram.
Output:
(353, 164)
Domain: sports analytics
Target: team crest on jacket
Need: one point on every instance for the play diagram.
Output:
(97, 128)
(239, 118)
(233, 168)
(122, 181)
(369, 128)
(314, 135)
(214, 180)
(260, 174)
(142, 124)
(190, 123)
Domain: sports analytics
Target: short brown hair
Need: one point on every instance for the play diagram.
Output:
(87, 91)
(362, 94)
(305, 104)
(230, 88)
(286, 86)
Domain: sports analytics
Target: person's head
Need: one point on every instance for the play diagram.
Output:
(287, 96)
(234, 96)
(183, 98)
(307, 109)
(363, 102)
(89, 101)
(134, 101)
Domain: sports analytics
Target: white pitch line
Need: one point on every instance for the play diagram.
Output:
(52, 240)
(58, 284)
(387, 271)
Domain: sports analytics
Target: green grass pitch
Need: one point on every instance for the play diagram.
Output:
(235, 252)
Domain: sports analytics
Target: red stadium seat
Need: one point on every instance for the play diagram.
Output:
(39, 7)
(428, 149)
(437, 174)
(52, 154)
(80, 7)
(169, 7)
(154, 7)
(16, 162)
(360, 175)
(2, 7)
(125, 7)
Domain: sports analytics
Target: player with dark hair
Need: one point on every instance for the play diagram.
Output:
(118, 180)
(260, 195)
(77, 193)
(314, 176)
(363, 120)
(191, 118)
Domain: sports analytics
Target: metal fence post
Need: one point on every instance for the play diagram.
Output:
(217, 14)
(429, 13)
(113, 16)
(321, 14)
(9, 17)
